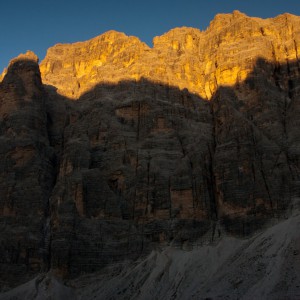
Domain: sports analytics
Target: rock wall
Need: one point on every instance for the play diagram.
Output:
(201, 61)
(26, 172)
(142, 160)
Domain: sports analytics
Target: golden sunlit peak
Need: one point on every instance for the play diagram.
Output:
(201, 61)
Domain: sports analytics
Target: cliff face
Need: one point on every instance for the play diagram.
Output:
(224, 54)
(142, 159)
(26, 171)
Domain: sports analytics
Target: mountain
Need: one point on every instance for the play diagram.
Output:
(154, 171)
(224, 54)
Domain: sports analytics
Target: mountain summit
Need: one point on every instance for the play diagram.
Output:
(224, 54)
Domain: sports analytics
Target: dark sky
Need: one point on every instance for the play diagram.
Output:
(37, 25)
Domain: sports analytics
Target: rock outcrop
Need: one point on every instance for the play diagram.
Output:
(26, 171)
(201, 61)
(142, 159)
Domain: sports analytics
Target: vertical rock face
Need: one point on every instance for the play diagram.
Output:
(224, 54)
(255, 160)
(77, 68)
(135, 170)
(142, 159)
(26, 170)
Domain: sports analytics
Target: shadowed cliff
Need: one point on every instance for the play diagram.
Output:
(137, 165)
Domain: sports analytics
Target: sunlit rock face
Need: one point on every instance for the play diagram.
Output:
(142, 159)
(201, 61)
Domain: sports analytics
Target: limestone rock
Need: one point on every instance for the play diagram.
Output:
(28, 56)
(26, 171)
(224, 54)
(142, 159)
(77, 68)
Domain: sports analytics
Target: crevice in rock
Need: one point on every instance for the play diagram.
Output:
(297, 54)
(138, 122)
(148, 180)
(55, 138)
(212, 189)
(266, 184)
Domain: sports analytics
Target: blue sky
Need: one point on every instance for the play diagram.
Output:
(37, 25)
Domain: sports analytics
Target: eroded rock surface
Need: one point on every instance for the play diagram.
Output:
(201, 61)
(26, 172)
(142, 159)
